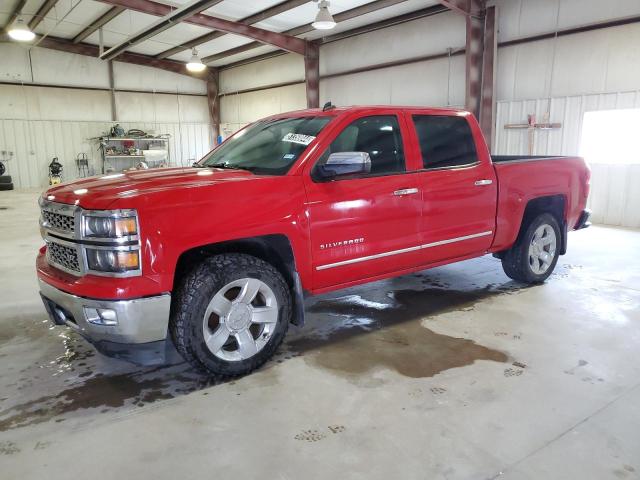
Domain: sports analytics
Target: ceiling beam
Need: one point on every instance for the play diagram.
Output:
(179, 15)
(465, 7)
(90, 50)
(339, 17)
(98, 23)
(14, 13)
(41, 13)
(285, 42)
(255, 18)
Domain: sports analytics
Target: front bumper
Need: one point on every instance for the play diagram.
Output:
(140, 335)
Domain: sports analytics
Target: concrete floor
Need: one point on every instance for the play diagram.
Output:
(454, 373)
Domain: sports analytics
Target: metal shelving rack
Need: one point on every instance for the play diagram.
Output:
(108, 160)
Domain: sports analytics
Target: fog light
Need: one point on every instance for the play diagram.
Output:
(101, 316)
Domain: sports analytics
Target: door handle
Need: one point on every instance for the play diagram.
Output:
(405, 191)
(480, 183)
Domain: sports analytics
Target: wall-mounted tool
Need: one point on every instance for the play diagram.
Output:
(82, 162)
(55, 172)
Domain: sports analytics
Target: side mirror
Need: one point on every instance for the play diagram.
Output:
(344, 163)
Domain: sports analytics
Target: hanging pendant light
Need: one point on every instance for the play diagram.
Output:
(324, 20)
(195, 64)
(20, 31)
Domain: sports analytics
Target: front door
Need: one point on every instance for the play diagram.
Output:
(367, 225)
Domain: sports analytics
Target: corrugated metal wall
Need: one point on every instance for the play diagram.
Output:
(36, 142)
(615, 198)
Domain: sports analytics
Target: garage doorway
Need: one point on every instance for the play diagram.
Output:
(611, 137)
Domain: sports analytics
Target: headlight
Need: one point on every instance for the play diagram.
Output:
(115, 225)
(111, 242)
(112, 261)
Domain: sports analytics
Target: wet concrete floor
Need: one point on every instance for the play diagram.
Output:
(445, 350)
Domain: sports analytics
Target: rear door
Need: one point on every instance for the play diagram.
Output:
(458, 184)
(367, 225)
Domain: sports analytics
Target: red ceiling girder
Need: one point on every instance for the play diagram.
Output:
(339, 17)
(14, 14)
(285, 42)
(41, 13)
(90, 50)
(465, 7)
(251, 19)
(98, 23)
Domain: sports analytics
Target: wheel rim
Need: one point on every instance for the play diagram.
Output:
(542, 249)
(240, 319)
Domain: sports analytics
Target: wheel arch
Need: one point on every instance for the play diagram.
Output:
(556, 205)
(275, 249)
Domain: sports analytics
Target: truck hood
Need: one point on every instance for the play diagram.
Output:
(100, 192)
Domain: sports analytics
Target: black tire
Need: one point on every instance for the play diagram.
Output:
(515, 261)
(192, 299)
(6, 186)
(2, 169)
(5, 179)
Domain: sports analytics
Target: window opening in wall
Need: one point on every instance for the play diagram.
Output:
(611, 137)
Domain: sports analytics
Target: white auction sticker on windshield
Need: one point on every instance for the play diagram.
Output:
(298, 138)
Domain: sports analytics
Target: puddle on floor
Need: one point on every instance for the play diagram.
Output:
(105, 392)
(360, 335)
(54, 374)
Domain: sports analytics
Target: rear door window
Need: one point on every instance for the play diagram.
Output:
(445, 141)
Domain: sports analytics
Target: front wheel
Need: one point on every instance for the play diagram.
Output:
(535, 254)
(231, 314)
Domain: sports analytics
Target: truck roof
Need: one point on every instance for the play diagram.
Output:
(371, 108)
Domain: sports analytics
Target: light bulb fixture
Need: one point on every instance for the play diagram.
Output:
(20, 32)
(324, 20)
(195, 64)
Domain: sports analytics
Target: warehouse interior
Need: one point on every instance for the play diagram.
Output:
(455, 372)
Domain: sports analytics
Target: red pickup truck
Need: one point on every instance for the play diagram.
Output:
(214, 260)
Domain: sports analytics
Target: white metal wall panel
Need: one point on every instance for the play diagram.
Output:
(244, 108)
(36, 142)
(615, 198)
(434, 83)
(138, 77)
(598, 61)
(425, 36)
(515, 15)
(281, 69)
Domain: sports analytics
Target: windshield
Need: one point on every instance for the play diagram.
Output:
(267, 147)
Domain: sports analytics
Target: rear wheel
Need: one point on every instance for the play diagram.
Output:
(535, 254)
(231, 315)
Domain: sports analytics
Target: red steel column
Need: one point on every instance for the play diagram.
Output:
(473, 54)
(214, 102)
(487, 104)
(312, 74)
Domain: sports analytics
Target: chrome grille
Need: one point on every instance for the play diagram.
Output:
(57, 221)
(63, 256)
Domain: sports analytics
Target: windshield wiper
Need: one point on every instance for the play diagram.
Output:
(231, 167)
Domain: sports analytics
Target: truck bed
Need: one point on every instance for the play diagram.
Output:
(521, 158)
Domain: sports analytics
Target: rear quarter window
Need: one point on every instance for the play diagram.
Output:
(445, 141)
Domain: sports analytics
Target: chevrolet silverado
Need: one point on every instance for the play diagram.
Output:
(213, 261)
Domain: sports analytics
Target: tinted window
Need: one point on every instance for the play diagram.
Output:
(379, 136)
(267, 147)
(445, 141)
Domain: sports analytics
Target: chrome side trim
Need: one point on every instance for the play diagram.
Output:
(369, 257)
(403, 250)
